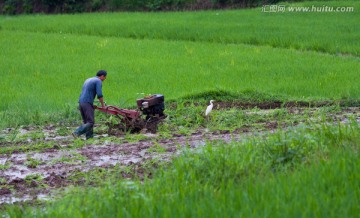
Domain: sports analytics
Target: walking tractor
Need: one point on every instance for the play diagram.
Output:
(149, 112)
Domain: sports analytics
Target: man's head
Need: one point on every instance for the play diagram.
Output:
(101, 74)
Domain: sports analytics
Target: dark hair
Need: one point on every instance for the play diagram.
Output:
(101, 73)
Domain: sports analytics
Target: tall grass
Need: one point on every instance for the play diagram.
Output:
(307, 172)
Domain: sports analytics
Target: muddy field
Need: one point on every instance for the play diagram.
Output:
(39, 173)
(55, 165)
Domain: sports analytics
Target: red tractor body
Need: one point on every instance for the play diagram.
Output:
(151, 106)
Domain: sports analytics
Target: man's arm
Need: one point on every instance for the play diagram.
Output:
(102, 102)
(99, 93)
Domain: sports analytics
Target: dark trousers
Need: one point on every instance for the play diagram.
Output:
(87, 114)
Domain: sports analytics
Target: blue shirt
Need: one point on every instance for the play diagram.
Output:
(91, 88)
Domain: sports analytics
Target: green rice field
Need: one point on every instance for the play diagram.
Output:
(298, 152)
(45, 58)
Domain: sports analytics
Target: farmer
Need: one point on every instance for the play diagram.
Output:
(91, 88)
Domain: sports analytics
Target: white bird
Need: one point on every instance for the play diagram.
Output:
(209, 108)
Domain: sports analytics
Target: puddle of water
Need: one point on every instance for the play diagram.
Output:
(22, 132)
(57, 138)
(50, 156)
(18, 171)
(131, 160)
(143, 152)
(197, 143)
(106, 160)
(150, 135)
(3, 160)
(11, 199)
(17, 157)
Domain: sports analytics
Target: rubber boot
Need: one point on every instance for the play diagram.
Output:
(89, 134)
(82, 129)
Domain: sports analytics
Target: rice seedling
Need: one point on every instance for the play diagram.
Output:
(32, 163)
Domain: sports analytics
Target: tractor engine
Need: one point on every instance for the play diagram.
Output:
(152, 106)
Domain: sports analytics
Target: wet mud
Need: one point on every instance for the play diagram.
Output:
(54, 166)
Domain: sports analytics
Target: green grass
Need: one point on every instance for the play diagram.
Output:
(304, 31)
(52, 82)
(307, 172)
(46, 58)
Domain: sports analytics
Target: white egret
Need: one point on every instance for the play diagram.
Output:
(209, 108)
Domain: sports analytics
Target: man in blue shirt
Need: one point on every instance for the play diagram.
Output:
(92, 87)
